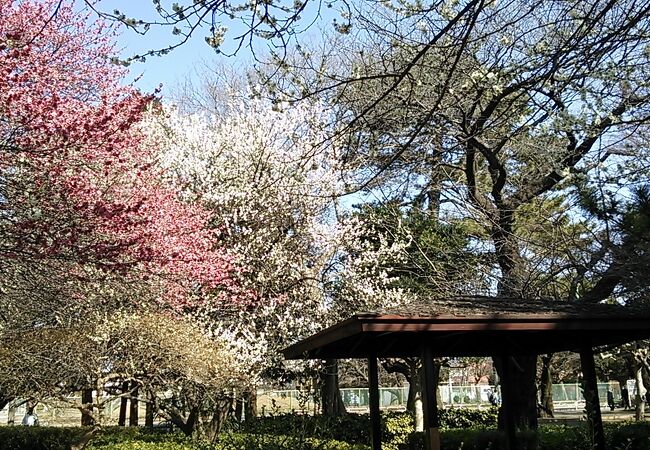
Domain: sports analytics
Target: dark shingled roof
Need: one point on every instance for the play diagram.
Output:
(479, 326)
(464, 306)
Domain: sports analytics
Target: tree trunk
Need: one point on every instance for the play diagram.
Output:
(149, 412)
(411, 372)
(188, 424)
(414, 401)
(640, 393)
(520, 395)
(4, 401)
(546, 387)
(86, 413)
(410, 368)
(331, 401)
(418, 412)
(213, 423)
(11, 413)
(121, 421)
(239, 409)
(13, 407)
(250, 402)
(645, 376)
(521, 370)
(85, 439)
(133, 407)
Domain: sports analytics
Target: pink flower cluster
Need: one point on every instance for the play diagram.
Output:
(78, 178)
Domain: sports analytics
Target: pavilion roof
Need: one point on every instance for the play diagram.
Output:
(477, 326)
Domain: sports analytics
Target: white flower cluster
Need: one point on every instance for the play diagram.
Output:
(364, 281)
(270, 178)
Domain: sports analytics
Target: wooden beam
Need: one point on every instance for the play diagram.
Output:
(429, 402)
(594, 417)
(375, 418)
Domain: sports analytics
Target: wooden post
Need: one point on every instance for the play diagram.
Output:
(375, 419)
(594, 417)
(430, 402)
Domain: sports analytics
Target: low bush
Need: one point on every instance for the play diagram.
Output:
(355, 428)
(352, 428)
(227, 441)
(470, 439)
(618, 436)
(39, 438)
(397, 435)
(628, 435)
(61, 438)
(241, 441)
(453, 418)
(132, 438)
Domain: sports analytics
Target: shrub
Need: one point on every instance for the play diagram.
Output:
(352, 428)
(61, 438)
(142, 445)
(397, 435)
(470, 439)
(468, 418)
(355, 428)
(39, 438)
(114, 437)
(132, 438)
(628, 435)
(618, 436)
(241, 441)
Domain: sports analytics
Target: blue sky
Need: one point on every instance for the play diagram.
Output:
(183, 62)
(168, 70)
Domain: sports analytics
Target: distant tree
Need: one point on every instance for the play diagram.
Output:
(188, 373)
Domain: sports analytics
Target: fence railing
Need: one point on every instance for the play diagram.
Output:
(565, 396)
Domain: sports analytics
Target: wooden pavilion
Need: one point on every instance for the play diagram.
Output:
(477, 326)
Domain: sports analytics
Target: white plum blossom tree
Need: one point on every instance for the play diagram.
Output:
(270, 179)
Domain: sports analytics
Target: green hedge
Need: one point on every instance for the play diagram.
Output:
(453, 418)
(61, 438)
(240, 441)
(351, 428)
(235, 441)
(397, 436)
(620, 436)
(355, 428)
(39, 438)
(116, 438)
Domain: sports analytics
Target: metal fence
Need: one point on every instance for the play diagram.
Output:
(565, 396)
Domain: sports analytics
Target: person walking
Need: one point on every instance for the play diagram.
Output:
(625, 397)
(610, 399)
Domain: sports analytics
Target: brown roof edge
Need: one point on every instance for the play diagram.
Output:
(486, 305)
(495, 317)
(335, 332)
(369, 324)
